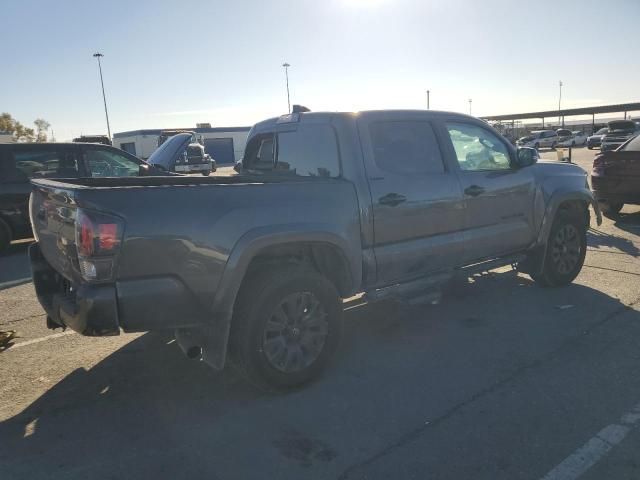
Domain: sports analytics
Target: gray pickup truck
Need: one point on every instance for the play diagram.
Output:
(392, 204)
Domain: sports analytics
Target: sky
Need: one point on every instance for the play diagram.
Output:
(173, 64)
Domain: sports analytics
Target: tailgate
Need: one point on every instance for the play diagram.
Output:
(52, 211)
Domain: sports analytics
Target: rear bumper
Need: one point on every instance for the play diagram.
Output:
(614, 190)
(104, 309)
(90, 310)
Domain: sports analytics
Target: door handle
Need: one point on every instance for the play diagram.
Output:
(474, 190)
(392, 199)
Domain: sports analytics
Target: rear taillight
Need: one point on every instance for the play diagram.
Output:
(98, 238)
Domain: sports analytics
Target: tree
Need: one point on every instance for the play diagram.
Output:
(19, 131)
(41, 128)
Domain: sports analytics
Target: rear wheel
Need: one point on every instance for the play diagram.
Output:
(5, 234)
(536, 146)
(565, 251)
(611, 209)
(287, 324)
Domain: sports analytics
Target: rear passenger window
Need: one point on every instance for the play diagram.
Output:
(24, 164)
(405, 147)
(309, 151)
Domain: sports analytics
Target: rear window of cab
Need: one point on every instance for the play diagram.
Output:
(306, 151)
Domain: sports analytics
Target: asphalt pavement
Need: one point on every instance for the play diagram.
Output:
(501, 380)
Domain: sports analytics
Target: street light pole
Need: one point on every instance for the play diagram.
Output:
(286, 74)
(559, 102)
(470, 100)
(428, 108)
(104, 98)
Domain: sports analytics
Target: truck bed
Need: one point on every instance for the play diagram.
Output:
(162, 181)
(184, 232)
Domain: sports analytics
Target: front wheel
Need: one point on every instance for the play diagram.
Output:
(287, 325)
(206, 173)
(565, 251)
(536, 146)
(553, 146)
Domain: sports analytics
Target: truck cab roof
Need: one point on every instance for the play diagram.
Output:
(326, 117)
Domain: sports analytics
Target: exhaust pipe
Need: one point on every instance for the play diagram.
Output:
(190, 344)
(194, 353)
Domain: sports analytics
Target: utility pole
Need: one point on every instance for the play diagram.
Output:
(428, 107)
(98, 55)
(286, 74)
(470, 100)
(559, 104)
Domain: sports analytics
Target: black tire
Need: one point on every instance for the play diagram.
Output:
(611, 210)
(206, 173)
(5, 235)
(589, 147)
(553, 146)
(265, 325)
(536, 146)
(565, 251)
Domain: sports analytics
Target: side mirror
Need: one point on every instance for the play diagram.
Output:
(526, 157)
(144, 169)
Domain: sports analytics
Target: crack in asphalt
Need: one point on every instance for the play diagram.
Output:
(23, 318)
(417, 432)
(612, 270)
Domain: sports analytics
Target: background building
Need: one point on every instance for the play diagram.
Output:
(6, 137)
(224, 144)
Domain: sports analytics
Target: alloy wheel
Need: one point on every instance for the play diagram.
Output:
(295, 333)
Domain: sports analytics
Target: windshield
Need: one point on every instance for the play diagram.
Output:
(622, 126)
(164, 156)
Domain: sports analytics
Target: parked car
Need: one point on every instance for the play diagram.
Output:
(619, 132)
(595, 140)
(20, 162)
(393, 204)
(576, 139)
(564, 135)
(180, 153)
(539, 139)
(615, 177)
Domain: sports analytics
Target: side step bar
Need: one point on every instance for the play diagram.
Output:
(487, 265)
(418, 291)
(428, 289)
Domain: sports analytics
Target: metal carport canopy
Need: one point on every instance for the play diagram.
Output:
(621, 107)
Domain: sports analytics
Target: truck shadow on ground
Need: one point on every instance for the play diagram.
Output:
(147, 401)
(629, 222)
(597, 239)
(14, 262)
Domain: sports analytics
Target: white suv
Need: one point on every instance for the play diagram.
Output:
(539, 139)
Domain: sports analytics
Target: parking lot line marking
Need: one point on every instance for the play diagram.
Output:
(38, 340)
(14, 283)
(595, 449)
